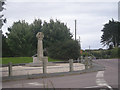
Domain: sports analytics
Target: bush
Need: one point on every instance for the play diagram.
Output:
(114, 53)
(65, 50)
(106, 54)
(118, 52)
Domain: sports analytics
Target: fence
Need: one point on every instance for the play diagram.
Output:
(70, 66)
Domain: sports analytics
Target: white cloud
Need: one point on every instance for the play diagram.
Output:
(63, 0)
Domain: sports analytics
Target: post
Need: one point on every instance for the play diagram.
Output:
(71, 65)
(90, 62)
(89, 50)
(81, 59)
(10, 69)
(45, 65)
(78, 60)
(119, 11)
(79, 43)
(86, 62)
(75, 29)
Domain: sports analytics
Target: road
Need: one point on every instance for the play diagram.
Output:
(107, 79)
(111, 72)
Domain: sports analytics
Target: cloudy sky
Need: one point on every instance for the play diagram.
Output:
(91, 15)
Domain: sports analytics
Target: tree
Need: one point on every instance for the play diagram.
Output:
(20, 39)
(58, 41)
(55, 32)
(6, 52)
(111, 34)
(2, 20)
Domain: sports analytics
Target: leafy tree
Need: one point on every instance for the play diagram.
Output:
(58, 41)
(6, 52)
(111, 34)
(20, 39)
(2, 20)
(55, 32)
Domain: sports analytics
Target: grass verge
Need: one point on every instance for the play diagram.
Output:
(17, 60)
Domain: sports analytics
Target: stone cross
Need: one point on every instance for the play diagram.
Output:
(40, 37)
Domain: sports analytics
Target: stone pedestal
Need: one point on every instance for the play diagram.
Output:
(38, 63)
(35, 60)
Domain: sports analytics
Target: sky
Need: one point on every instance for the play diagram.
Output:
(91, 15)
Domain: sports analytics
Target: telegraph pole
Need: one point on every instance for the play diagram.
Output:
(79, 42)
(119, 11)
(89, 50)
(75, 29)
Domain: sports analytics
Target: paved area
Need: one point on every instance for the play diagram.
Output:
(100, 79)
(25, 70)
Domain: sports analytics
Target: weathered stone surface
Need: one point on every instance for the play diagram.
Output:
(40, 37)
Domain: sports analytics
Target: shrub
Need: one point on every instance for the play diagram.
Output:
(114, 53)
(69, 49)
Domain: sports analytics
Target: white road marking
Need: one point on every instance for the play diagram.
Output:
(100, 80)
(93, 87)
(26, 84)
(36, 84)
(100, 74)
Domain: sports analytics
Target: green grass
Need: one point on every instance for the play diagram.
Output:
(53, 60)
(17, 60)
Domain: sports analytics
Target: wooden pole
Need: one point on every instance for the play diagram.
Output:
(75, 29)
(10, 69)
